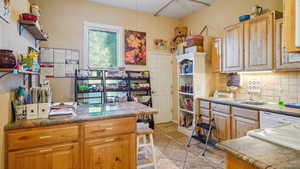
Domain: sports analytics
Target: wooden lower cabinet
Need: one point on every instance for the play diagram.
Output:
(240, 126)
(64, 156)
(222, 123)
(110, 153)
(73, 146)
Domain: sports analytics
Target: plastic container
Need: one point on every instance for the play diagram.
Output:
(29, 17)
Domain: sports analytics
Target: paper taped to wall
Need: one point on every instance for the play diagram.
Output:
(46, 55)
(59, 70)
(59, 55)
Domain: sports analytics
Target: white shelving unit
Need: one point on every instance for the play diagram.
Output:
(198, 79)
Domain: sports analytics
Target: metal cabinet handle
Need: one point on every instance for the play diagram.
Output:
(110, 140)
(102, 130)
(45, 137)
(45, 150)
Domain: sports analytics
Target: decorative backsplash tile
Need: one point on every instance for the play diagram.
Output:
(274, 86)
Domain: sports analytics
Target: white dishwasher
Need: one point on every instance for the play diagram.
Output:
(268, 119)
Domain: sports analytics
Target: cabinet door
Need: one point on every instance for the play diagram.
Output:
(222, 122)
(110, 153)
(52, 157)
(284, 60)
(289, 7)
(216, 54)
(233, 55)
(240, 126)
(259, 39)
(65, 157)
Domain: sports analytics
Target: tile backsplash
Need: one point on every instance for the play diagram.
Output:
(273, 86)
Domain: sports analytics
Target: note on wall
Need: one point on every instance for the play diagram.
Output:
(47, 71)
(46, 55)
(70, 69)
(64, 61)
(59, 70)
(59, 55)
(68, 54)
(75, 55)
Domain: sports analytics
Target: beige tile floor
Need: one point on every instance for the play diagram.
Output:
(172, 153)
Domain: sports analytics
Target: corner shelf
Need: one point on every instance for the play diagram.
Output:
(32, 28)
(10, 71)
(187, 118)
(19, 71)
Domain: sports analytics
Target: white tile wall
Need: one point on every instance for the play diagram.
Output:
(275, 86)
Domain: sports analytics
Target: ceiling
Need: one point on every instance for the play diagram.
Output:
(177, 9)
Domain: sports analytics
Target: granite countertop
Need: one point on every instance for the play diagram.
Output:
(89, 113)
(262, 154)
(269, 107)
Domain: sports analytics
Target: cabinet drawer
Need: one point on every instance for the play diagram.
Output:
(205, 112)
(41, 136)
(205, 104)
(109, 127)
(246, 113)
(220, 108)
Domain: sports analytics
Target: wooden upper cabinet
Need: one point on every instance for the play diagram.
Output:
(64, 156)
(233, 55)
(289, 8)
(259, 39)
(284, 60)
(112, 152)
(216, 54)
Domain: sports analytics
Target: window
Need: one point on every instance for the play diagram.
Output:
(102, 46)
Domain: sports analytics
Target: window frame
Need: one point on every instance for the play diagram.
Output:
(103, 27)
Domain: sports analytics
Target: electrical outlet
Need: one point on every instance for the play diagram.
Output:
(254, 86)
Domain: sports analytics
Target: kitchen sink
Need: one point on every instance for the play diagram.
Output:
(254, 102)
